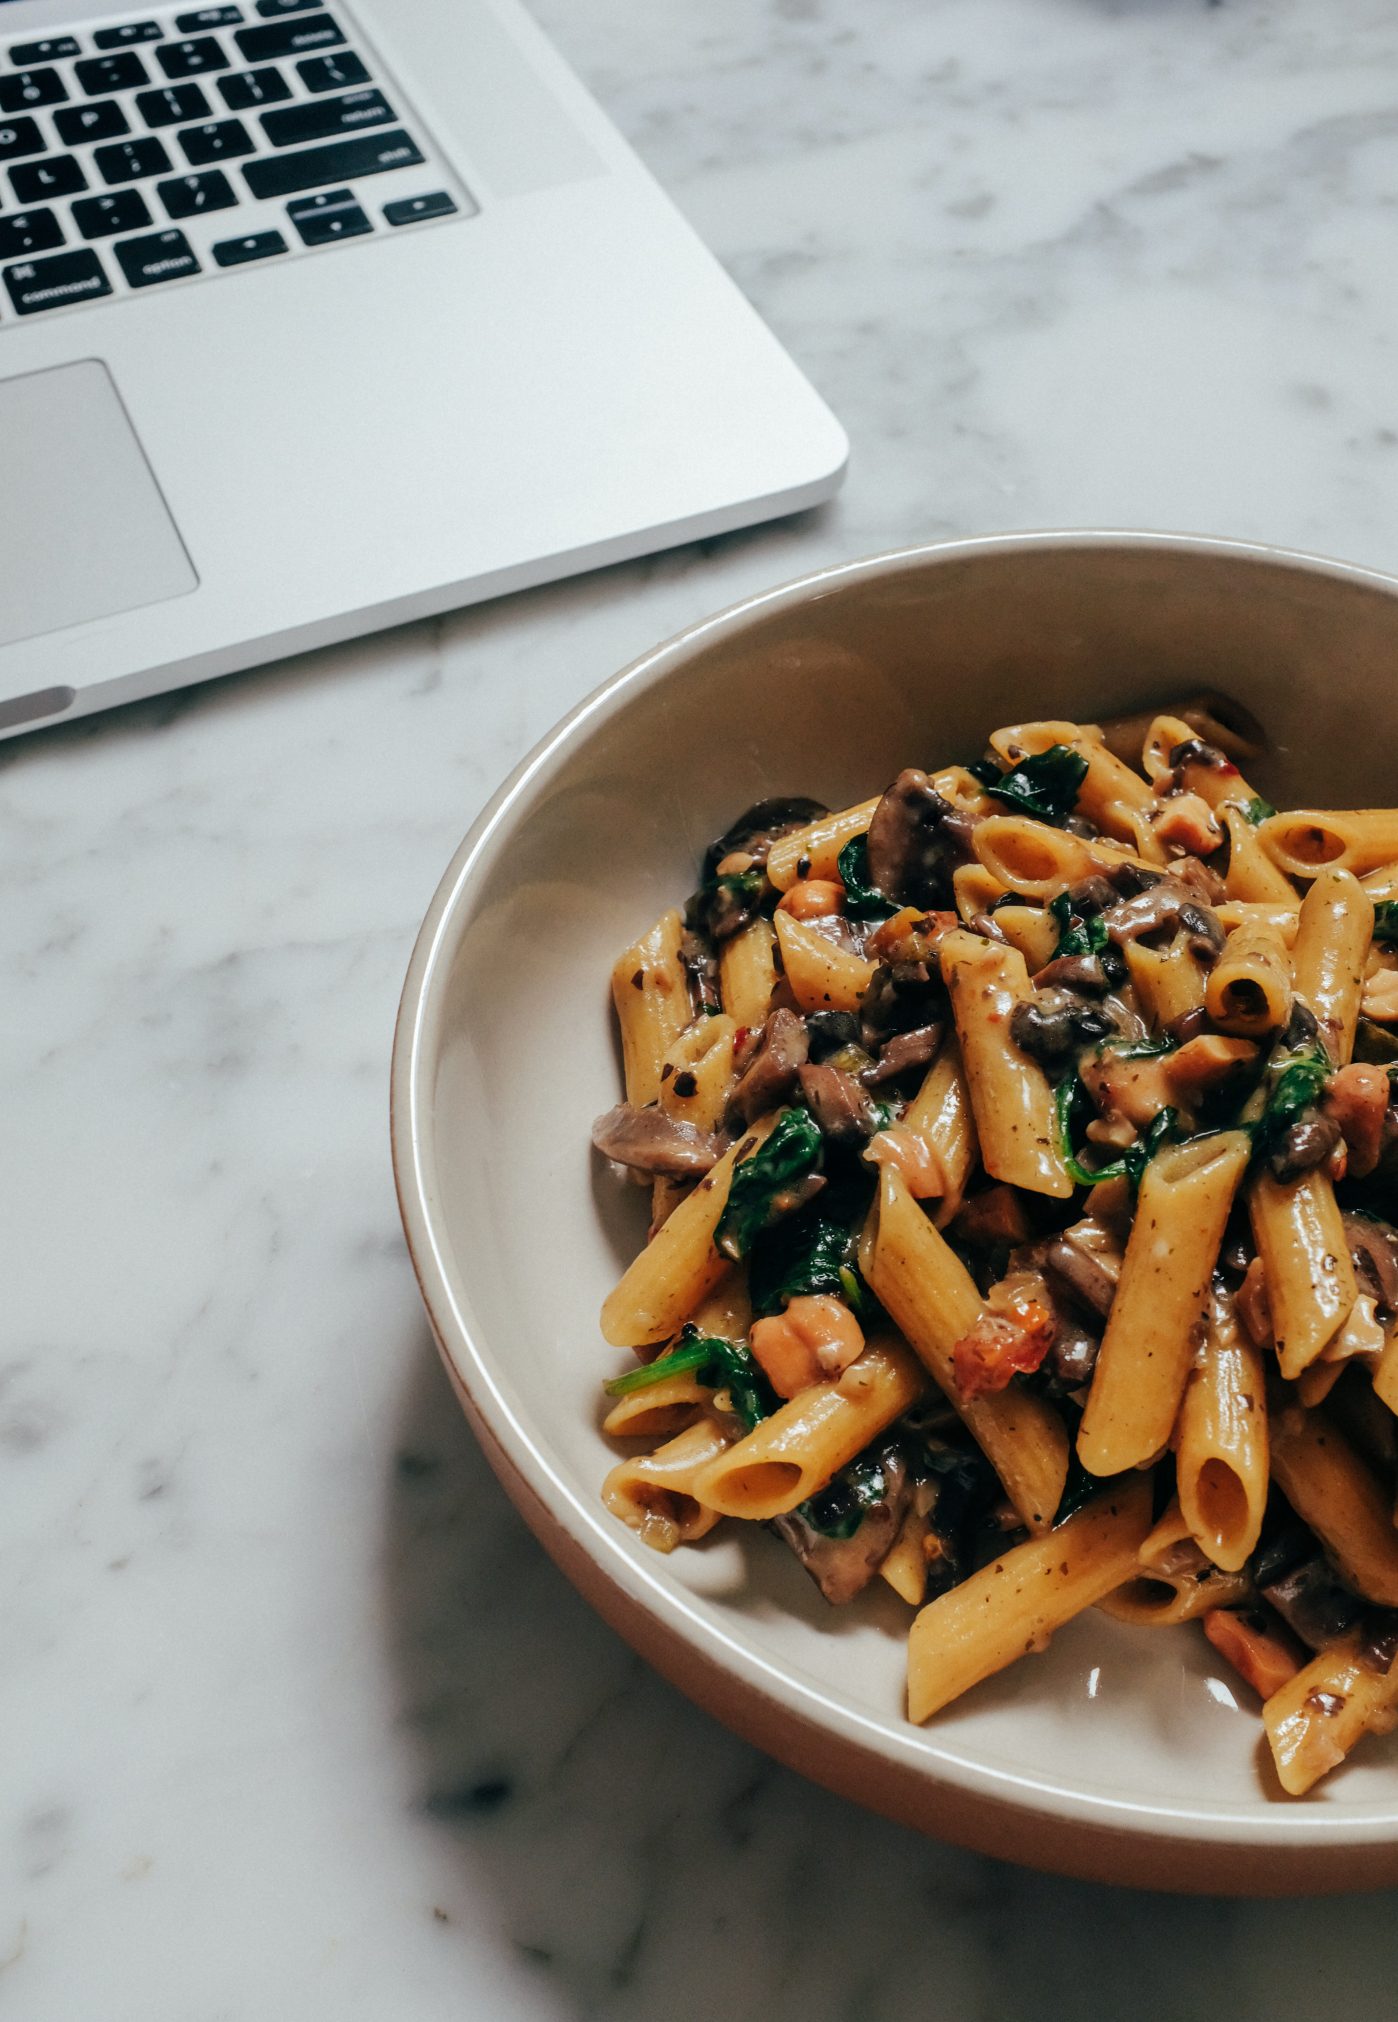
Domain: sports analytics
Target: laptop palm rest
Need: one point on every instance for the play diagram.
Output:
(84, 530)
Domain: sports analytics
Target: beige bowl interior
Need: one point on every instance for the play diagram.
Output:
(1125, 1753)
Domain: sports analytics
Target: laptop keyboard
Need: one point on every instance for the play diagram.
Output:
(144, 153)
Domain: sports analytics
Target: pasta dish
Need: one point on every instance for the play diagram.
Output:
(1022, 1147)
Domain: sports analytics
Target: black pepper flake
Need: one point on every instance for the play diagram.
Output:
(685, 1083)
(638, 981)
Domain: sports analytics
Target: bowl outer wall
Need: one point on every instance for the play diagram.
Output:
(1266, 1848)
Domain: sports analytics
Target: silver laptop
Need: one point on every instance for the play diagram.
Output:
(318, 316)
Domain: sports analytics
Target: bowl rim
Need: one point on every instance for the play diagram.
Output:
(541, 1491)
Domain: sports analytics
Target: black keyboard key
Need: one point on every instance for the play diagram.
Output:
(189, 59)
(187, 196)
(320, 118)
(218, 140)
(100, 74)
(281, 175)
(58, 282)
(270, 7)
(127, 33)
(247, 88)
(29, 88)
(122, 211)
(207, 17)
(25, 232)
(332, 73)
(162, 256)
(174, 103)
(23, 54)
(126, 161)
(411, 210)
(58, 175)
(256, 246)
(288, 38)
(79, 123)
(332, 215)
(20, 136)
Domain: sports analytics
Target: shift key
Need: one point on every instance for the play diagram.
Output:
(281, 175)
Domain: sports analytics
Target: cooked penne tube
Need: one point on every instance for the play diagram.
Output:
(1217, 719)
(1306, 841)
(1384, 1373)
(1013, 1605)
(1249, 988)
(1031, 929)
(788, 1457)
(680, 1266)
(1221, 1445)
(1310, 1279)
(1168, 982)
(747, 973)
(905, 1566)
(1116, 799)
(1382, 884)
(695, 1081)
(932, 1297)
(813, 851)
(654, 1493)
(1038, 862)
(1314, 1721)
(1174, 1581)
(1010, 1095)
(1252, 876)
(660, 1410)
(1315, 1384)
(1216, 785)
(651, 994)
(1327, 961)
(1157, 1315)
(1331, 1489)
(940, 1114)
(974, 890)
(822, 975)
(1283, 919)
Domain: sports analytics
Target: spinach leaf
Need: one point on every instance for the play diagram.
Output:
(862, 899)
(1131, 1165)
(764, 1187)
(1044, 786)
(1386, 923)
(1295, 1083)
(1258, 810)
(841, 1506)
(802, 1255)
(1087, 937)
(727, 1365)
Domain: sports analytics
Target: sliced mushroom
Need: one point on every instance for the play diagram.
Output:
(843, 1567)
(1054, 1023)
(1087, 1258)
(908, 841)
(1083, 973)
(1312, 1602)
(839, 1105)
(770, 1074)
(901, 996)
(905, 1051)
(649, 1141)
(1373, 1248)
(759, 826)
(1306, 1144)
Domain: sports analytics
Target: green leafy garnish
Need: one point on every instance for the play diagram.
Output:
(767, 1186)
(1386, 923)
(724, 1365)
(1044, 786)
(1258, 809)
(1294, 1083)
(862, 899)
(842, 1505)
(1132, 1163)
(1088, 937)
(801, 1256)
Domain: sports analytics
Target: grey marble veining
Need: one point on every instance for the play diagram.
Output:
(297, 1721)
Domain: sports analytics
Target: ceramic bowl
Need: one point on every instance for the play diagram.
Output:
(1127, 1755)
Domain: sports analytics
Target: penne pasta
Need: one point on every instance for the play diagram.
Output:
(1331, 1489)
(1116, 799)
(1249, 988)
(932, 1298)
(1174, 1581)
(1010, 1096)
(1217, 719)
(940, 1114)
(791, 1455)
(696, 1080)
(1216, 785)
(1327, 961)
(654, 1493)
(974, 889)
(651, 994)
(1315, 1719)
(1307, 841)
(1157, 1315)
(1252, 875)
(1037, 862)
(659, 1411)
(1031, 929)
(1283, 919)
(821, 974)
(1221, 1445)
(1015, 1604)
(1310, 1280)
(748, 976)
(1168, 982)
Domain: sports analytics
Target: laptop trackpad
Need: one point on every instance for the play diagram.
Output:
(84, 531)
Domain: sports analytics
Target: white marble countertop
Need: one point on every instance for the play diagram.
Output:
(297, 1720)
